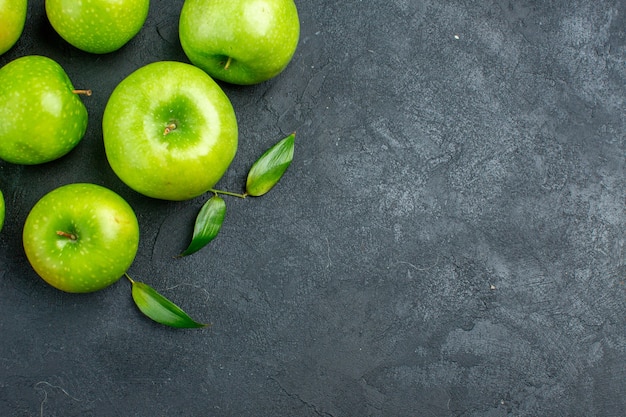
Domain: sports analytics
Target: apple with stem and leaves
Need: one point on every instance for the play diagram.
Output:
(42, 116)
(82, 238)
(97, 26)
(13, 17)
(170, 131)
(240, 41)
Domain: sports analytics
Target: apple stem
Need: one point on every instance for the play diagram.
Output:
(214, 191)
(169, 128)
(228, 61)
(82, 92)
(70, 236)
(129, 278)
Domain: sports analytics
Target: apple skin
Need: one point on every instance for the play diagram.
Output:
(190, 159)
(104, 244)
(1, 210)
(41, 118)
(259, 37)
(97, 26)
(13, 17)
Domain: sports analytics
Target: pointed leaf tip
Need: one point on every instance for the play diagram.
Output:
(208, 224)
(160, 309)
(270, 167)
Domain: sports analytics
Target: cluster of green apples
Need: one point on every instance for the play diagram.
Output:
(169, 130)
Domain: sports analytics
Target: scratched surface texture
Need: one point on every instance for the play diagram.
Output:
(449, 240)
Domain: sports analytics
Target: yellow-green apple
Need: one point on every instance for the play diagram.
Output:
(97, 26)
(81, 237)
(170, 131)
(12, 18)
(42, 116)
(240, 41)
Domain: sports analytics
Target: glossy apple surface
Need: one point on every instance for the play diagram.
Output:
(41, 116)
(81, 237)
(170, 132)
(240, 41)
(12, 19)
(97, 26)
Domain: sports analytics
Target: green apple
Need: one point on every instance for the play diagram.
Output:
(41, 114)
(81, 237)
(169, 130)
(97, 26)
(13, 17)
(1, 210)
(239, 41)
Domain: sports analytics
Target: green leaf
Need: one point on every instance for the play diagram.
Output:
(208, 224)
(270, 167)
(159, 308)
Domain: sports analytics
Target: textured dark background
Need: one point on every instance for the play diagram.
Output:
(449, 240)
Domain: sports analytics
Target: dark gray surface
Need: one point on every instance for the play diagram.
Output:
(449, 240)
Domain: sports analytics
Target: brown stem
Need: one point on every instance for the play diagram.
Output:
(70, 236)
(169, 128)
(82, 92)
(228, 61)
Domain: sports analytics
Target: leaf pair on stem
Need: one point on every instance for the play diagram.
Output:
(262, 177)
